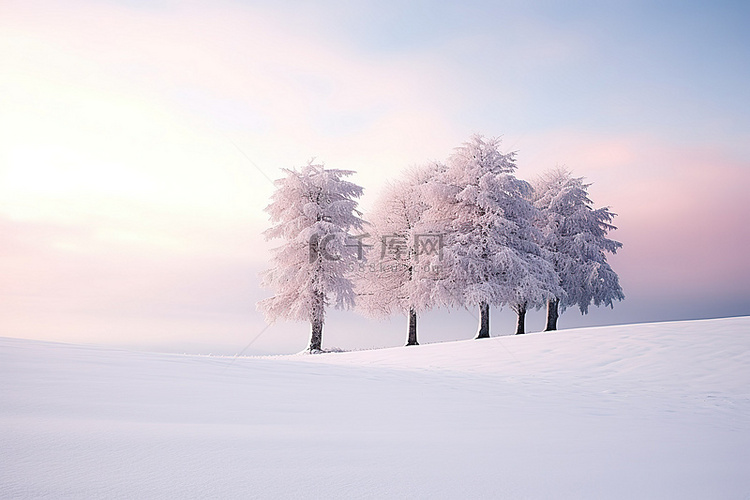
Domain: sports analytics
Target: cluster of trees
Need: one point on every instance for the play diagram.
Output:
(462, 233)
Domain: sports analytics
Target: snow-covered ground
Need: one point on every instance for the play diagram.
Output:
(639, 411)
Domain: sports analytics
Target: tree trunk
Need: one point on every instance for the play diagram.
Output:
(484, 321)
(552, 314)
(412, 338)
(521, 325)
(316, 336)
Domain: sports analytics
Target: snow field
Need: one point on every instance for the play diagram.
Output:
(635, 411)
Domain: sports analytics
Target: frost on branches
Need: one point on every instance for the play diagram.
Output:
(404, 274)
(312, 212)
(492, 252)
(575, 234)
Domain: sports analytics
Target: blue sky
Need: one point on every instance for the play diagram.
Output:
(138, 139)
(613, 65)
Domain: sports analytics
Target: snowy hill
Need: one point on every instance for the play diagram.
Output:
(638, 411)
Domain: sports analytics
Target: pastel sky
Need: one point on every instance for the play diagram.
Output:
(138, 140)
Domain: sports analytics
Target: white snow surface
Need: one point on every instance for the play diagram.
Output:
(637, 411)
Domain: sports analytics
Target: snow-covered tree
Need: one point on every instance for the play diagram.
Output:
(531, 275)
(404, 274)
(575, 235)
(312, 211)
(492, 252)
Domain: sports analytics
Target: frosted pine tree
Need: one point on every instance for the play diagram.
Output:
(534, 280)
(575, 235)
(312, 211)
(492, 254)
(404, 274)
